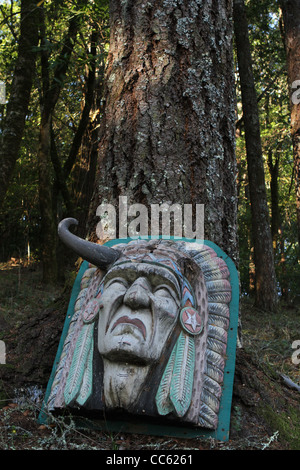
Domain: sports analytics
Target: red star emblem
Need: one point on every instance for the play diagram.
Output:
(191, 320)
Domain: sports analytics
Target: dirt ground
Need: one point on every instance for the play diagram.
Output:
(265, 413)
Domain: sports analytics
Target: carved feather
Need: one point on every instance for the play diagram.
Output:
(217, 333)
(216, 359)
(220, 285)
(219, 291)
(205, 253)
(91, 310)
(213, 386)
(217, 282)
(183, 374)
(211, 400)
(163, 403)
(87, 380)
(214, 372)
(56, 394)
(217, 274)
(215, 268)
(80, 299)
(86, 278)
(218, 309)
(208, 418)
(216, 345)
(57, 382)
(218, 321)
(222, 297)
(78, 364)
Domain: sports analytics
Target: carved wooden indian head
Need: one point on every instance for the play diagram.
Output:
(148, 335)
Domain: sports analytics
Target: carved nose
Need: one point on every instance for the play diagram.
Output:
(137, 296)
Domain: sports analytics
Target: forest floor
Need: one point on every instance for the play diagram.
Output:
(265, 410)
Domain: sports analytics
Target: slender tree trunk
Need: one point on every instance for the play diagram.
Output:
(169, 134)
(50, 96)
(20, 94)
(285, 281)
(251, 268)
(291, 19)
(48, 225)
(265, 291)
(275, 219)
(273, 165)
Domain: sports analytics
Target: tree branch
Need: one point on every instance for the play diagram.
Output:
(86, 110)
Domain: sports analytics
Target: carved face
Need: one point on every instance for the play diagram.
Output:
(138, 311)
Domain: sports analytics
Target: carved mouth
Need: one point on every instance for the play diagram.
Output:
(132, 321)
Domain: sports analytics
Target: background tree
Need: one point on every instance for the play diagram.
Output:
(17, 108)
(168, 134)
(291, 24)
(265, 279)
(55, 164)
(51, 89)
(269, 72)
(74, 137)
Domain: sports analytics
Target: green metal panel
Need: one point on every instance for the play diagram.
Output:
(136, 426)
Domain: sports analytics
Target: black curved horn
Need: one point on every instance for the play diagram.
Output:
(99, 255)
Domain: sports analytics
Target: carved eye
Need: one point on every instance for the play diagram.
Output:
(119, 281)
(164, 291)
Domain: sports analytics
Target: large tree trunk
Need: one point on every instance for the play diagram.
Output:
(291, 19)
(265, 279)
(169, 133)
(20, 94)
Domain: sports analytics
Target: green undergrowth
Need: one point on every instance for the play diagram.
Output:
(269, 338)
(23, 293)
(286, 423)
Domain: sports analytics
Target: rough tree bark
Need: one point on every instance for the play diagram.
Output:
(168, 133)
(266, 297)
(291, 19)
(20, 94)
